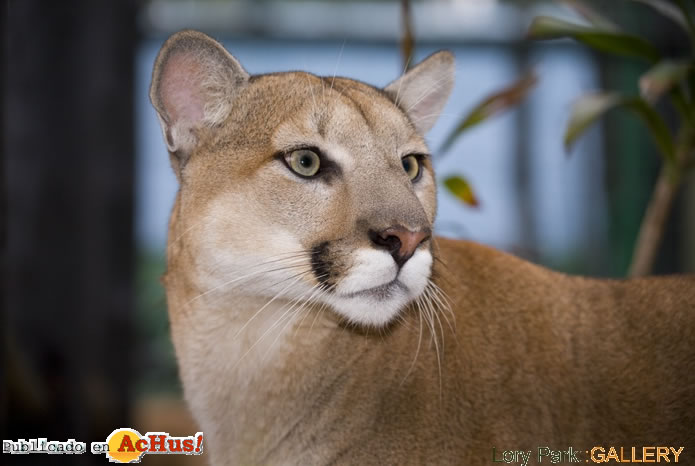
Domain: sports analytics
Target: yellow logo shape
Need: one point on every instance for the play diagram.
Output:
(124, 440)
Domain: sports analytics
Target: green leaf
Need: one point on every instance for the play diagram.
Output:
(461, 188)
(669, 10)
(494, 104)
(585, 111)
(590, 107)
(591, 15)
(617, 43)
(662, 77)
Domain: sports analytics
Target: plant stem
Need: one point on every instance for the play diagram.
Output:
(407, 41)
(654, 222)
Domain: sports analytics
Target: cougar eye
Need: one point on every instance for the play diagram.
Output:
(304, 162)
(411, 165)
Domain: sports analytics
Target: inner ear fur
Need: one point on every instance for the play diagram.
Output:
(194, 82)
(423, 91)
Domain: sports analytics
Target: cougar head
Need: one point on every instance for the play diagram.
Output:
(300, 187)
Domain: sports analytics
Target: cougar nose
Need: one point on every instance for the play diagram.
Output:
(399, 241)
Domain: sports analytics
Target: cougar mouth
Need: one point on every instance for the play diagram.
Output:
(330, 268)
(365, 284)
(380, 292)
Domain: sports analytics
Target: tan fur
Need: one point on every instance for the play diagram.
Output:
(277, 373)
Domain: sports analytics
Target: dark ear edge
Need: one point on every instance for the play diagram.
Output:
(194, 80)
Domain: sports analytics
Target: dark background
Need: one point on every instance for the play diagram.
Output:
(67, 217)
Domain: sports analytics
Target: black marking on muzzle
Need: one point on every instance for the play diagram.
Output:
(320, 263)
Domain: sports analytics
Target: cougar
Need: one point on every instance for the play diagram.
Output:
(317, 320)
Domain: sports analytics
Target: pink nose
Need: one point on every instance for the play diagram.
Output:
(399, 241)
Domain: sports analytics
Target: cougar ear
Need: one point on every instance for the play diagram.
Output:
(193, 86)
(422, 91)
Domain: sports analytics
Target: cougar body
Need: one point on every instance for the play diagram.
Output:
(317, 321)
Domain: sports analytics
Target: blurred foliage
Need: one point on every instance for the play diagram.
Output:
(605, 40)
(461, 188)
(494, 104)
(671, 79)
(590, 107)
(668, 78)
